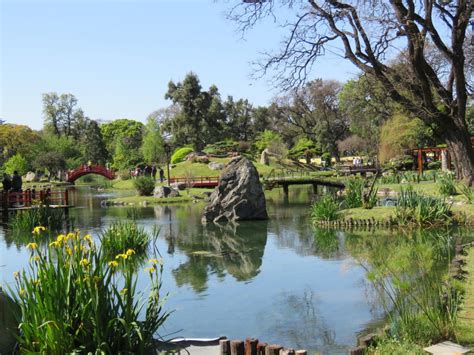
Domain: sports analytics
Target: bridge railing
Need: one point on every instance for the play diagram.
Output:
(85, 169)
(195, 180)
(30, 197)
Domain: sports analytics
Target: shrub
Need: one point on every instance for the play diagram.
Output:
(75, 300)
(179, 154)
(125, 174)
(222, 148)
(144, 185)
(326, 158)
(326, 209)
(446, 184)
(121, 236)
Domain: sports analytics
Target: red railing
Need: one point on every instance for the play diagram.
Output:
(27, 198)
(73, 175)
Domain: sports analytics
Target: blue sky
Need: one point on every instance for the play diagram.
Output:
(117, 57)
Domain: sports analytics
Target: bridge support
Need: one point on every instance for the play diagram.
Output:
(315, 189)
(285, 190)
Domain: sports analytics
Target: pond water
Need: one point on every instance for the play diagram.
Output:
(280, 281)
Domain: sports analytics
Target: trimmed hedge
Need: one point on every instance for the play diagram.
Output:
(179, 154)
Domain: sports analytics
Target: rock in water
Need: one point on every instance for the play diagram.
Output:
(239, 195)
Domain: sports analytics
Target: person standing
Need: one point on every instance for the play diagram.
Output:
(162, 174)
(153, 172)
(16, 182)
(6, 182)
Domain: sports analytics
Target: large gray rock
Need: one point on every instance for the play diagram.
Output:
(164, 191)
(9, 312)
(213, 165)
(239, 195)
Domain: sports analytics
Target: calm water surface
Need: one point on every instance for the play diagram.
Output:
(280, 281)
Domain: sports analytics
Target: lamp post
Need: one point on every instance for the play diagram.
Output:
(167, 149)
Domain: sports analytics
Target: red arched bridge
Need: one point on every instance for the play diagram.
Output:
(73, 175)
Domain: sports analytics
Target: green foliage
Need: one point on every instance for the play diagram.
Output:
(327, 208)
(200, 117)
(16, 163)
(414, 208)
(152, 147)
(61, 114)
(412, 280)
(266, 138)
(467, 193)
(57, 153)
(179, 154)
(326, 158)
(73, 299)
(51, 161)
(144, 185)
(305, 148)
(16, 139)
(222, 148)
(354, 192)
(25, 221)
(400, 133)
(446, 184)
(121, 236)
(93, 145)
(125, 155)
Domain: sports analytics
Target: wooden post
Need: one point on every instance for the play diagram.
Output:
(261, 348)
(273, 349)
(237, 347)
(66, 197)
(420, 162)
(285, 189)
(251, 346)
(315, 189)
(224, 346)
(41, 196)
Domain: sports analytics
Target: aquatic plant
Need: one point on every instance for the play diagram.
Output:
(446, 184)
(25, 221)
(121, 236)
(412, 207)
(144, 185)
(74, 299)
(326, 208)
(417, 293)
(354, 191)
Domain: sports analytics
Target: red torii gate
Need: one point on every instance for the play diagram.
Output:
(73, 175)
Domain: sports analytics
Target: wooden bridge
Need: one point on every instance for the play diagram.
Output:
(73, 175)
(271, 182)
(30, 199)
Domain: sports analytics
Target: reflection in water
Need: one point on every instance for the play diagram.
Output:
(235, 249)
(302, 321)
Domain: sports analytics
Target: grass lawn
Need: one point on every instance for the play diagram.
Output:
(466, 315)
(377, 213)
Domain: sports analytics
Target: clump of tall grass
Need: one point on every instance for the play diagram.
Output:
(446, 184)
(25, 221)
(414, 208)
(467, 193)
(121, 236)
(326, 209)
(74, 299)
(144, 185)
(357, 195)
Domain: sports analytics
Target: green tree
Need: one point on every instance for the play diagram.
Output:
(16, 139)
(401, 133)
(369, 33)
(61, 114)
(16, 163)
(66, 148)
(152, 147)
(92, 144)
(129, 130)
(266, 138)
(306, 148)
(239, 119)
(201, 115)
(52, 161)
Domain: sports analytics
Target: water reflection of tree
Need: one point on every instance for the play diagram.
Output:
(231, 249)
(299, 322)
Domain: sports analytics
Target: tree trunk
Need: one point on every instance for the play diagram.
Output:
(460, 149)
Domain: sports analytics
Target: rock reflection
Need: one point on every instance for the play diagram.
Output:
(236, 250)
